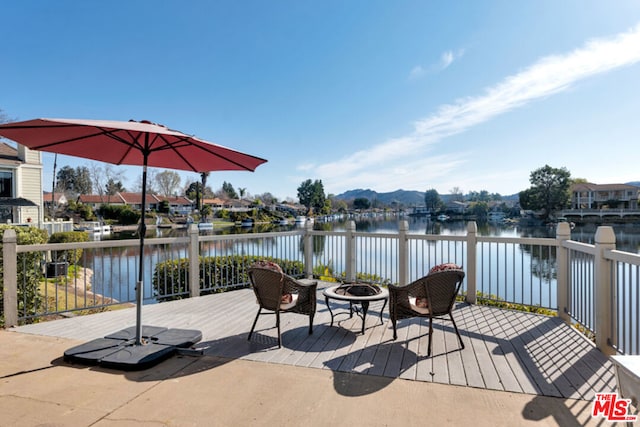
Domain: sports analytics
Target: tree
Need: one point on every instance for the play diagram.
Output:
(101, 176)
(82, 184)
(3, 117)
(150, 184)
(193, 190)
(168, 182)
(340, 205)
(267, 198)
(479, 209)
(74, 181)
(203, 180)
(205, 212)
(311, 194)
(549, 191)
(432, 200)
(456, 194)
(242, 192)
(361, 203)
(112, 187)
(229, 190)
(482, 196)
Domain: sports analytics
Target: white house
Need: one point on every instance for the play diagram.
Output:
(20, 185)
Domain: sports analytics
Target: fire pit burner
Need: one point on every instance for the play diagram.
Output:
(359, 295)
(358, 290)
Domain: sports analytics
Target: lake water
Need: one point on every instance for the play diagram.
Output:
(118, 266)
(627, 235)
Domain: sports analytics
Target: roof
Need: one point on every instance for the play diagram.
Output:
(179, 200)
(46, 196)
(136, 198)
(9, 155)
(92, 198)
(588, 186)
(18, 201)
(215, 201)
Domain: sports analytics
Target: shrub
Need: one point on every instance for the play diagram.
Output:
(72, 256)
(123, 214)
(128, 217)
(85, 211)
(217, 274)
(29, 271)
(223, 213)
(164, 206)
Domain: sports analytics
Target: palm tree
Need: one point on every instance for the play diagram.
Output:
(242, 191)
(203, 176)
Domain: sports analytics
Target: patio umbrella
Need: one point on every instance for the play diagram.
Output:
(141, 143)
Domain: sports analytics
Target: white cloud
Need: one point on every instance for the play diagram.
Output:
(404, 162)
(448, 57)
(416, 72)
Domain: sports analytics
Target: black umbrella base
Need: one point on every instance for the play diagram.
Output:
(120, 351)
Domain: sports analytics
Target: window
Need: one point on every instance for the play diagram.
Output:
(6, 184)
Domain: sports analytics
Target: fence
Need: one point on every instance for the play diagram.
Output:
(593, 286)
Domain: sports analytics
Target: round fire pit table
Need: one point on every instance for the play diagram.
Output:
(356, 293)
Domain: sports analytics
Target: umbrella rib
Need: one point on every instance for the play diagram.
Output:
(204, 148)
(100, 131)
(171, 146)
(64, 141)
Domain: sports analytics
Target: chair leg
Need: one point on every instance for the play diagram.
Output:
(395, 333)
(310, 324)
(457, 333)
(254, 324)
(278, 326)
(430, 335)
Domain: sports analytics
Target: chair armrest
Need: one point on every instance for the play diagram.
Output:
(292, 285)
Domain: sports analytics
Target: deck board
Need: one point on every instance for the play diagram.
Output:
(504, 349)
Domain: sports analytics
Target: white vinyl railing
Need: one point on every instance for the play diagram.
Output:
(593, 286)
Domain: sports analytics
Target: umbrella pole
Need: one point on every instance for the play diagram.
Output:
(143, 231)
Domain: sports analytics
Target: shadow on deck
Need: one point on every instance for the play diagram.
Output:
(504, 350)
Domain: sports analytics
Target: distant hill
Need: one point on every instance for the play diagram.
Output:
(412, 198)
(407, 198)
(404, 197)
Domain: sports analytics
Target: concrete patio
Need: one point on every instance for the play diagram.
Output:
(516, 369)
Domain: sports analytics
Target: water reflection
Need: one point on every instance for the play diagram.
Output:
(627, 235)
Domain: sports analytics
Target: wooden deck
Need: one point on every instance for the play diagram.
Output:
(504, 350)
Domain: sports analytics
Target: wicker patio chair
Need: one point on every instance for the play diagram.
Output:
(278, 293)
(432, 296)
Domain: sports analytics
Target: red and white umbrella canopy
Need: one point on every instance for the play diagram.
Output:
(127, 143)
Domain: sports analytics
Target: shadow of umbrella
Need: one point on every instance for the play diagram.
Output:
(360, 373)
(135, 143)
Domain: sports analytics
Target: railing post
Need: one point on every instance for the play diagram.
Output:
(604, 281)
(403, 253)
(194, 261)
(10, 274)
(308, 250)
(472, 242)
(350, 248)
(563, 233)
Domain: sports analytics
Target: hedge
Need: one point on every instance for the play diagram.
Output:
(29, 299)
(216, 274)
(72, 256)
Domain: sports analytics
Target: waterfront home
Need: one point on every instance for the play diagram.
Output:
(20, 178)
(53, 200)
(586, 195)
(177, 205)
(97, 200)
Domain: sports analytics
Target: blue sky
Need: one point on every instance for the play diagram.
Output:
(383, 95)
